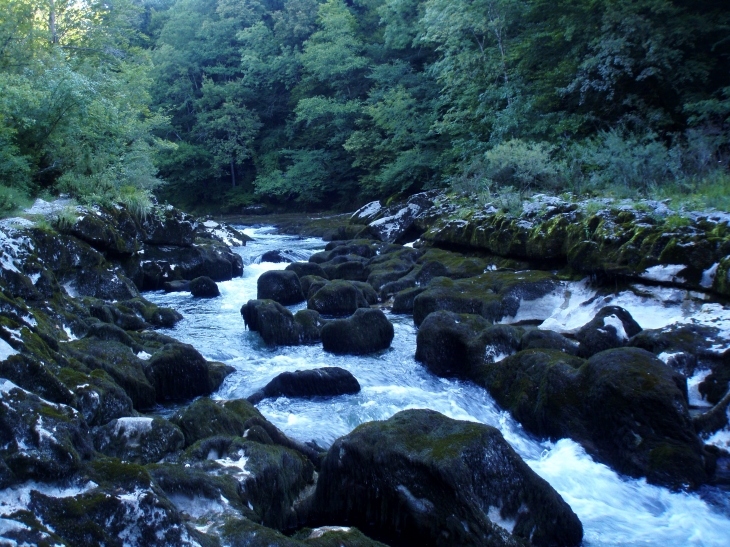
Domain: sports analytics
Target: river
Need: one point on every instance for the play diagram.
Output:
(614, 510)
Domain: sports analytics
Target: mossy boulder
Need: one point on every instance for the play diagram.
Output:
(204, 287)
(338, 298)
(178, 372)
(366, 331)
(114, 513)
(98, 397)
(280, 327)
(403, 301)
(110, 231)
(207, 418)
(626, 407)
(547, 339)
(311, 284)
(134, 314)
(318, 382)
(40, 440)
(610, 328)
(111, 349)
(280, 285)
(138, 439)
(271, 476)
(493, 295)
(351, 267)
(449, 344)
(421, 478)
(303, 269)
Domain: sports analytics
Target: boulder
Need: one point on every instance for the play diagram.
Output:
(449, 344)
(98, 397)
(366, 331)
(39, 440)
(204, 287)
(626, 407)
(400, 226)
(493, 295)
(338, 298)
(311, 284)
(610, 328)
(457, 345)
(303, 269)
(547, 339)
(178, 372)
(117, 504)
(109, 231)
(404, 300)
(205, 418)
(352, 267)
(280, 285)
(271, 477)
(421, 478)
(140, 440)
(280, 327)
(318, 382)
(275, 257)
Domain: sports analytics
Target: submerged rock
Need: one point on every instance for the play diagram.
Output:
(318, 382)
(366, 331)
(420, 478)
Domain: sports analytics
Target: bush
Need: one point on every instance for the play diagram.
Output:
(524, 165)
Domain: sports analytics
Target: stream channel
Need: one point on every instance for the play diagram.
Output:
(614, 510)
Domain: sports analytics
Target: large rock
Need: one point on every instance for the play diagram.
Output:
(280, 285)
(178, 372)
(626, 407)
(420, 478)
(493, 295)
(366, 331)
(399, 226)
(138, 439)
(111, 231)
(318, 382)
(338, 298)
(204, 287)
(610, 328)
(39, 440)
(303, 269)
(280, 327)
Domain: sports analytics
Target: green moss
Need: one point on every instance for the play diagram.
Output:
(111, 473)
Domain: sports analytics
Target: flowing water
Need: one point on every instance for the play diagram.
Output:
(615, 511)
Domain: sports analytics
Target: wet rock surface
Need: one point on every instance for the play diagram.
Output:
(282, 286)
(319, 382)
(421, 478)
(366, 331)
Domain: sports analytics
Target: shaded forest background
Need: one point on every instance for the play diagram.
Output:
(220, 104)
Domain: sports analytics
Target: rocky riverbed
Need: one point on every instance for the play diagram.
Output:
(600, 323)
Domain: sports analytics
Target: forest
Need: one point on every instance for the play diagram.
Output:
(215, 105)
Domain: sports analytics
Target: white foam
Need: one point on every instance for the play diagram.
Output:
(6, 350)
(666, 273)
(695, 397)
(494, 515)
(144, 356)
(613, 321)
(70, 334)
(538, 309)
(708, 276)
(322, 530)
(133, 427)
(619, 511)
(240, 464)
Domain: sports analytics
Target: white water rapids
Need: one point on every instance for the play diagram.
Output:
(614, 510)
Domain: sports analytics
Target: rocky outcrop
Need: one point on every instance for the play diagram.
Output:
(610, 328)
(420, 478)
(138, 439)
(366, 331)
